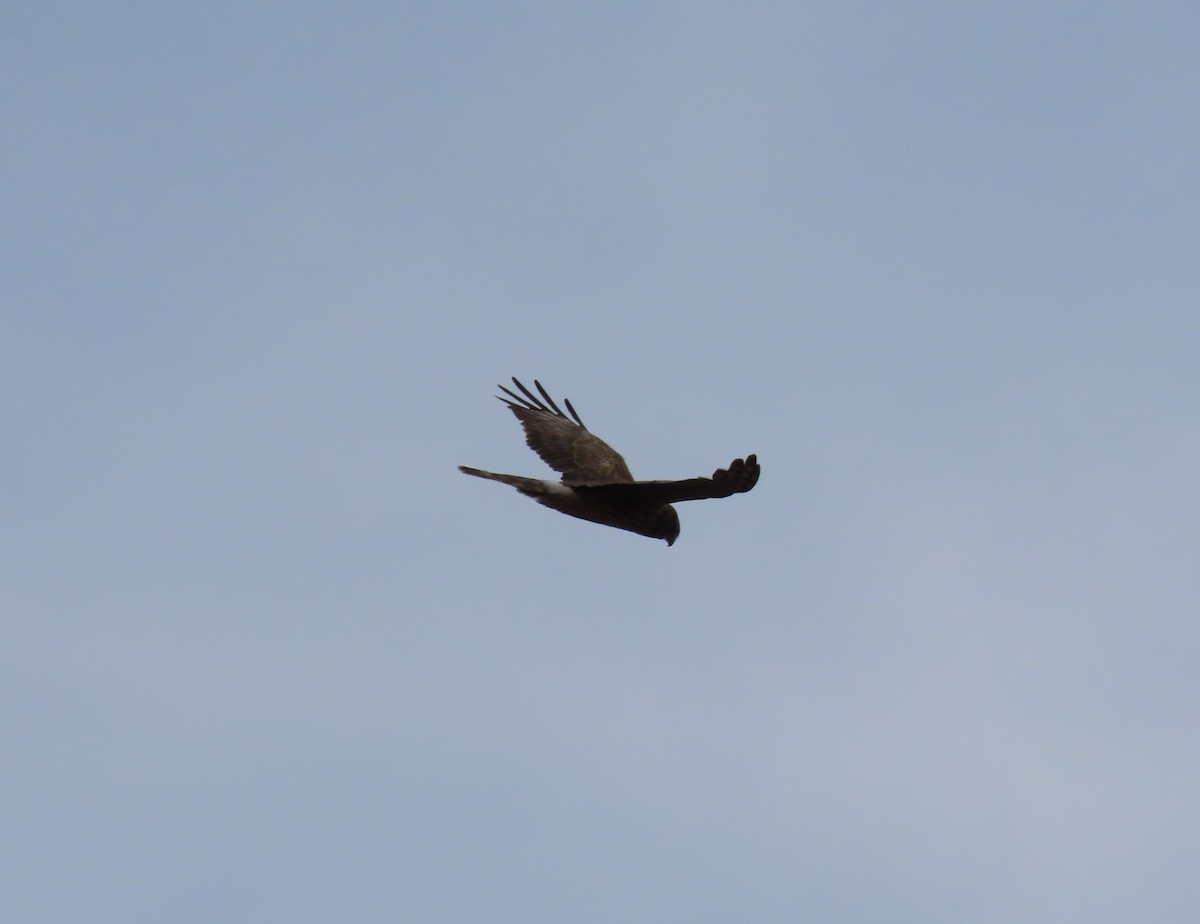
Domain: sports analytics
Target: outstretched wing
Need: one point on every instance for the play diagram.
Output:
(742, 475)
(564, 443)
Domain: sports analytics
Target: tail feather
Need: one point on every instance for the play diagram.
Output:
(530, 486)
(479, 473)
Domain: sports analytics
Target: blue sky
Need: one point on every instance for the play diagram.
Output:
(269, 656)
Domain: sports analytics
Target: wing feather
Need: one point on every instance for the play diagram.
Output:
(564, 444)
(741, 476)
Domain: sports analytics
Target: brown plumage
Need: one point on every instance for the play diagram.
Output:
(596, 483)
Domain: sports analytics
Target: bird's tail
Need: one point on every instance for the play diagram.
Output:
(533, 487)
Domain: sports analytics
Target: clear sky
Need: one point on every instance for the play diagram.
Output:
(267, 656)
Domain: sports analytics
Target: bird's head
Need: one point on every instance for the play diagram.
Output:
(667, 523)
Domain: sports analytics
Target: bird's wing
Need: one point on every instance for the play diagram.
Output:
(564, 444)
(742, 475)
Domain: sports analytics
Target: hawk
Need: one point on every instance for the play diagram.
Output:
(596, 484)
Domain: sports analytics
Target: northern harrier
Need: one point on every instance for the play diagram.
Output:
(596, 484)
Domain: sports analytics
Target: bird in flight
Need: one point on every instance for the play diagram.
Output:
(596, 483)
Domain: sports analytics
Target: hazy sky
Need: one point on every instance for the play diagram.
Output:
(269, 657)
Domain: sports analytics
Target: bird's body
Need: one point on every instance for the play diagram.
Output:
(596, 483)
(656, 522)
